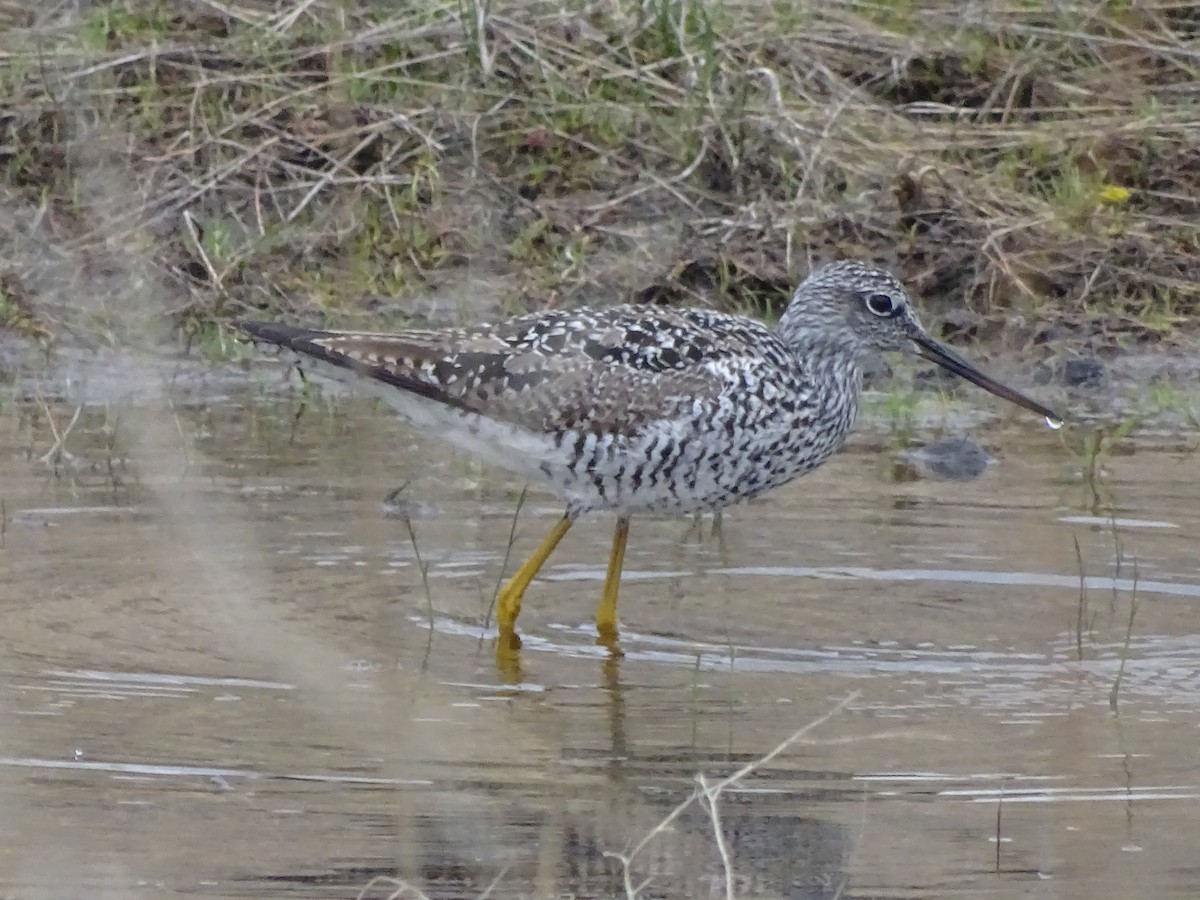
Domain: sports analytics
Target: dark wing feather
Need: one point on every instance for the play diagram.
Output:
(606, 370)
(399, 360)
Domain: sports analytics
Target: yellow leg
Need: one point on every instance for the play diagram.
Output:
(606, 612)
(508, 603)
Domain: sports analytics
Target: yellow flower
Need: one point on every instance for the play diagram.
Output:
(1112, 194)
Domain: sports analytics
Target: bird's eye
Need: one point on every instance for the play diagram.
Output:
(882, 304)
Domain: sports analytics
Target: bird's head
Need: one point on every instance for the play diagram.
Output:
(860, 310)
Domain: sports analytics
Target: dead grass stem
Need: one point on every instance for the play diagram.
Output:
(708, 795)
(348, 160)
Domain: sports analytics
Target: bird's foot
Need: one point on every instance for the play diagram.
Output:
(607, 636)
(508, 656)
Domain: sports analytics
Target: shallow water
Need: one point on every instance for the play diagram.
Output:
(224, 674)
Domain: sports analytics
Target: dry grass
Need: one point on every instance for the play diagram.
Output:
(706, 795)
(377, 161)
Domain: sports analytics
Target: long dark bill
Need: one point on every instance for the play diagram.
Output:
(948, 359)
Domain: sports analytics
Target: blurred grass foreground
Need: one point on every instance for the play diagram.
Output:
(376, 163)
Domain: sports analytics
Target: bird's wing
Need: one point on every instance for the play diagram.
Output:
(606, 370)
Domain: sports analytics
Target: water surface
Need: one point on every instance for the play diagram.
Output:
(226, 671)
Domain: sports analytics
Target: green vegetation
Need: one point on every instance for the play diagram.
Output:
(1093, 447)
(349, 160)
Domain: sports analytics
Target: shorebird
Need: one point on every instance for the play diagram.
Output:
(633, 409)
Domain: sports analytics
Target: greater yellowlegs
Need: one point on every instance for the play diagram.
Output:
(641, 408)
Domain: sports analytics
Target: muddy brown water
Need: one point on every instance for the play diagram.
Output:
(224, 675)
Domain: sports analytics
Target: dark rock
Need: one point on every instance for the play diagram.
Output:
(950, 459)
(1085, 372)
(1077, 372)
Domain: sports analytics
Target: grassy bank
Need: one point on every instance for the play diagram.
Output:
(1031, 169)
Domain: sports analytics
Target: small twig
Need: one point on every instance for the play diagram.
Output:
(52, 456)
(184, 443)
(1081, 608)
(999, 819)
(1119, 554)
(475, 24)
(423, 568)
(245, 16)
(400, 888)
(712, 792)
(512, 540)
(814, 152)
(394, 500)
(194, 234)
(711, 798)
(286, 21)
(331, 175)
(487, 892)
(1134, 603)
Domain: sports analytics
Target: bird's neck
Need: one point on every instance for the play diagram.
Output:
(816, 349)
(833, 371)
